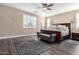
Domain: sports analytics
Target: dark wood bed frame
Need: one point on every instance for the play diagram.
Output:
(58, 39)
(69, 27)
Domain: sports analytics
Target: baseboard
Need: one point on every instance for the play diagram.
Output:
(16, 36)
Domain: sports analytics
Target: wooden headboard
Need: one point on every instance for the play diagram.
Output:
(67, 24)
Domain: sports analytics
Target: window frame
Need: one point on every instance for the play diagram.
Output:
(48, 22)
(29, 18)
(77, 21)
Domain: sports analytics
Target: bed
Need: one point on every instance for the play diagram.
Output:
(67, 33)
(60, 35)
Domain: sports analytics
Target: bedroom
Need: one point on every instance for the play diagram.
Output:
(20, 22)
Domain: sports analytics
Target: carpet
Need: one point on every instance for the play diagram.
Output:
(31, 47)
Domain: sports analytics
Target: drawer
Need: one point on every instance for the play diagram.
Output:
(75, 36)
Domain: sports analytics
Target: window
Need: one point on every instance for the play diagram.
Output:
(29, 21)
(77, 21)
(48, 22)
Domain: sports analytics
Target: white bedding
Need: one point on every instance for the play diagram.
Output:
(63, 29)
(64, 33)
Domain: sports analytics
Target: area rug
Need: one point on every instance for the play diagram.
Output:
(72, 42)
(31, 47)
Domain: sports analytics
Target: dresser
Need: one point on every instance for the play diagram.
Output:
(75, 36)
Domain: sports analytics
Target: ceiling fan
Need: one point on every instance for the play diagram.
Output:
(46, 6)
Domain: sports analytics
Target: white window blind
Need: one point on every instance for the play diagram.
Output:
(48, 22)
(29, 21)
(77, 21)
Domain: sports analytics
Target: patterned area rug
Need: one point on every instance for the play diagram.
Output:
(31, 47)
(72, 42)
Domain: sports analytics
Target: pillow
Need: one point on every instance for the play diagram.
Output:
(59, 27)
(54, 27)
(62, 27)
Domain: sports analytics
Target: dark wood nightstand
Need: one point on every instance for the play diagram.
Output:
(75, 36)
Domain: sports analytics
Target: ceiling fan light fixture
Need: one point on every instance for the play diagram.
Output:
(44, 8)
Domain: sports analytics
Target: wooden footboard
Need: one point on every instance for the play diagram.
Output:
(58, 34)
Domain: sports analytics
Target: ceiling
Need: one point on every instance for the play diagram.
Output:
(33, 8)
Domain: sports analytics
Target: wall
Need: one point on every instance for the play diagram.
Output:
(67, 17)
(11, 22)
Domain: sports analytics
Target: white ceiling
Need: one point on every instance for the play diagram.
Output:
(33, 8)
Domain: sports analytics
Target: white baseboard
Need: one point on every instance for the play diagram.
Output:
(16, 36)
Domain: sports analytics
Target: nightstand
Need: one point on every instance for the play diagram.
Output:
(75, 36)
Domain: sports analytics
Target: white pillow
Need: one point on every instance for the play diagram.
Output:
(52, 26)
(62, 27)
(59, 27)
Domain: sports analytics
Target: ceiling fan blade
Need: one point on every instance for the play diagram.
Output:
(44, 4)
(50, 5)
(49, 8)
(39, 7)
